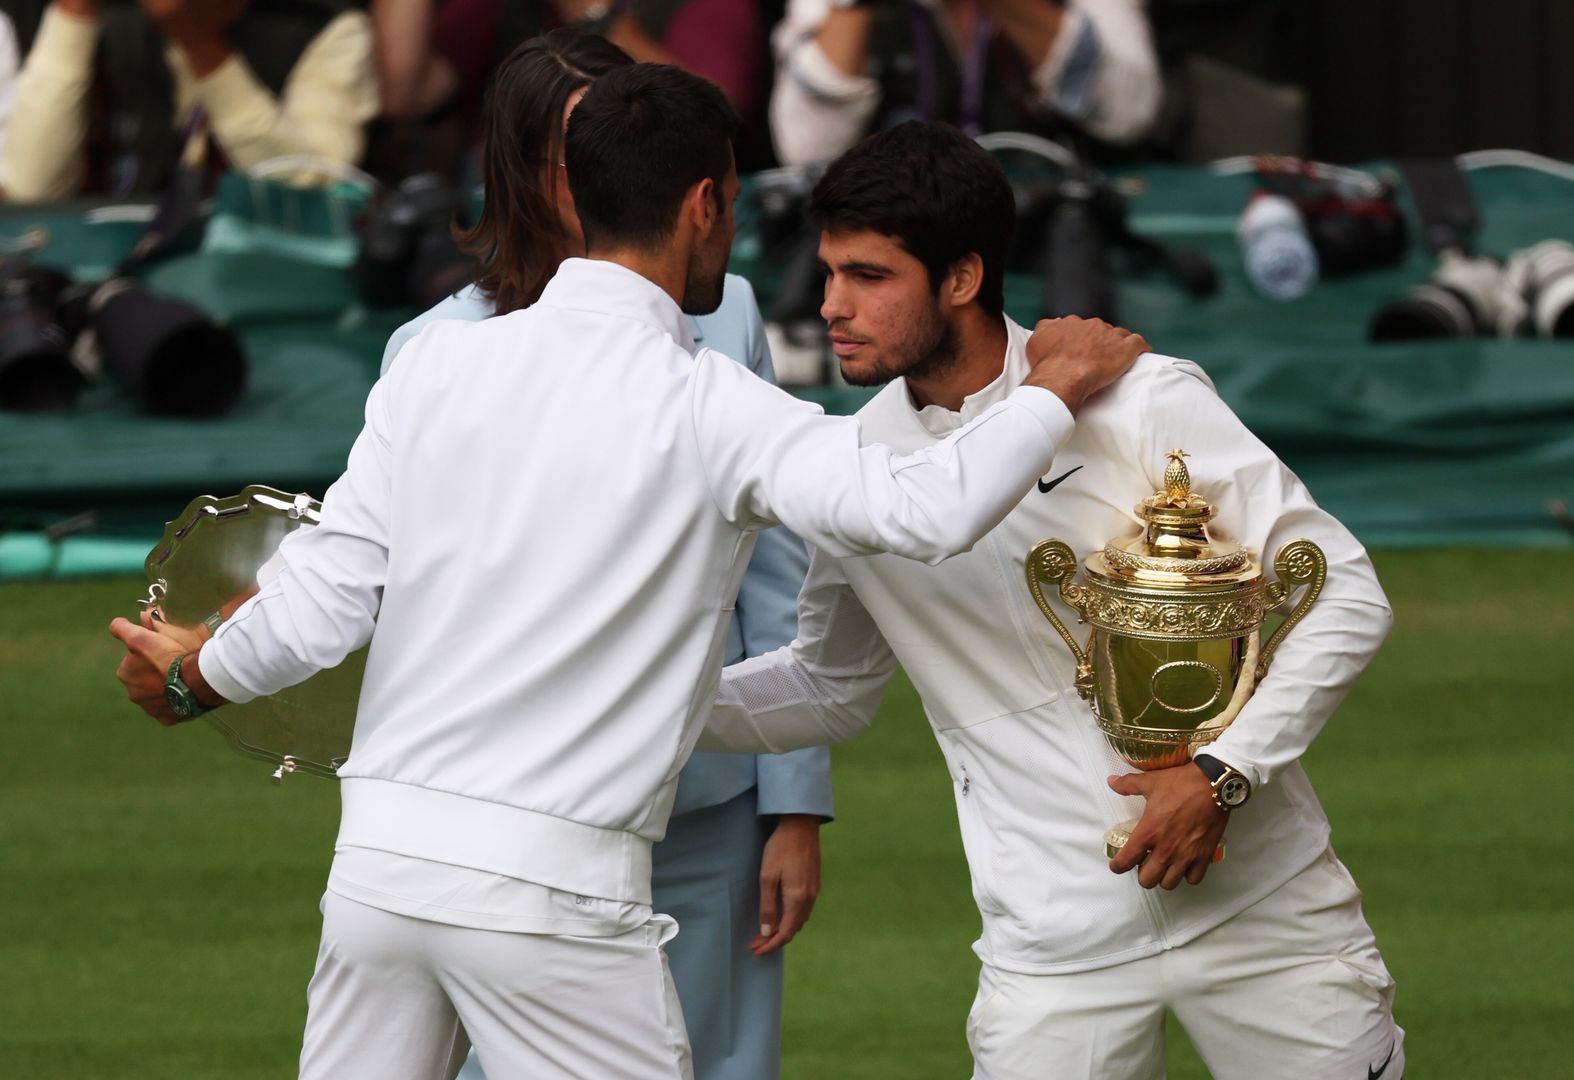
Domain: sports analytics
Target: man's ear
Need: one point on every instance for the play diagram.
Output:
(700, 206)
(963, 280)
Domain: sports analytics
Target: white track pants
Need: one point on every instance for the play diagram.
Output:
(396, 998)
(1293, 988)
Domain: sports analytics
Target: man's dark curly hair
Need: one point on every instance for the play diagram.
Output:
(932, 189)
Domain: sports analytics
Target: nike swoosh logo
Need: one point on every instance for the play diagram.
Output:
(1047, 488)
(1373, 1074)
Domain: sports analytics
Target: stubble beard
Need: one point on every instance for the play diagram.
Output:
(702, 290)
(928, 349)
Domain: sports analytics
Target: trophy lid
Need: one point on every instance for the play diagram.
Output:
(1174, 547)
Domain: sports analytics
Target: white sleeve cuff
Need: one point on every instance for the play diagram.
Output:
(210, 663)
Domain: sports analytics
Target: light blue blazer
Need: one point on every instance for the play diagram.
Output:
(767, 614)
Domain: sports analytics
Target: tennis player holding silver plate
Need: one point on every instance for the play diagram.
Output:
(211, 559)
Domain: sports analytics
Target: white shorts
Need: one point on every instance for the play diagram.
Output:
(398, 998)
(1293, 988)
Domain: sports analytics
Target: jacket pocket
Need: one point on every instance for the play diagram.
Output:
(977, 839)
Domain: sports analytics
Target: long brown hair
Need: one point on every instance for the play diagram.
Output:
(518, 237)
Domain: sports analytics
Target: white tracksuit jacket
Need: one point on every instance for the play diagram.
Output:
(1027, 763)
(547, 515)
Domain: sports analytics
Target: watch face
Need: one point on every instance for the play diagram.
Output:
(1234, 791)
(177, 701)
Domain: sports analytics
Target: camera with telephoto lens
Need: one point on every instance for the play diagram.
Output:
(1543, 276)
(55, 334)
(1466, 296)
(408, 252)
(170, 356)
(36, 372)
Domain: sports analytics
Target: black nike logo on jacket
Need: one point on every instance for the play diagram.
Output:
(1047, 488)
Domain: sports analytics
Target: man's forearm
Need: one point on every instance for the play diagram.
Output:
(773, 704)
(44, 147)
(778, 460)
(844, 38)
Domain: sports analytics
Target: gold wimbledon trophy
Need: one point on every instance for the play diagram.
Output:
(1174, 652)
(205, 565)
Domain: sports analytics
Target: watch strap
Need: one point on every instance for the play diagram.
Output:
(1211, 767)
(188, 707)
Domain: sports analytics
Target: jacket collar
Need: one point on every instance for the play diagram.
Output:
(940, 421)
(602, 286)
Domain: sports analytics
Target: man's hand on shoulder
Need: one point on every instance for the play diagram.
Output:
(1075, 358)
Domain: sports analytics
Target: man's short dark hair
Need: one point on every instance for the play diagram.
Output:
(639, 139)
(931, 188)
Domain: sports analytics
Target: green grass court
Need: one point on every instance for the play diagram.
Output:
(158, 896)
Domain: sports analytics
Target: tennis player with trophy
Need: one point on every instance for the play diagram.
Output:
(1141, 835)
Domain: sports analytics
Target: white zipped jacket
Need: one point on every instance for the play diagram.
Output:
(547, 516)
(1027, 763)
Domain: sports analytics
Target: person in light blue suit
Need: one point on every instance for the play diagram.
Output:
(739, 868)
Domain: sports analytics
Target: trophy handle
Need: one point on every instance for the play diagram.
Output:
(1052, 561)
(1300, 562)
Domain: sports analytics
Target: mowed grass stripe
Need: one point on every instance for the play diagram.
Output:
(158, 896)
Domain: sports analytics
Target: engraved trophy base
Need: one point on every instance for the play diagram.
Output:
(1118, 835)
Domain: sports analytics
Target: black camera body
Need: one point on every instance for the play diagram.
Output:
(36, 372)
(408, 252)
(1068, 232)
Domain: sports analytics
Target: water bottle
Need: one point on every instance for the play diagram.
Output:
(1280, 260)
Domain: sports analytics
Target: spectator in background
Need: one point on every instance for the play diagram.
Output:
(719, 40)
(849, 67)
(107, 90)
(432, 51)
(435, 59)
(436, 55)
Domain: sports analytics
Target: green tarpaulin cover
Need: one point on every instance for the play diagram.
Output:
(1459, 442)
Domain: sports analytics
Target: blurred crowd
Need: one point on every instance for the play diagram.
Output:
(105, 97)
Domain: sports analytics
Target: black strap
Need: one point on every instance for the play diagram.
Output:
(1211, 766)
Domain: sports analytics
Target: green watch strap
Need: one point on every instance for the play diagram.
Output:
(175, 685)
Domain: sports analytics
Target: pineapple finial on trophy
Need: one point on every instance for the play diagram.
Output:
(1177, 480)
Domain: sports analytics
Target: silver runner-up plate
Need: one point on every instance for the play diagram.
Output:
(206, 565)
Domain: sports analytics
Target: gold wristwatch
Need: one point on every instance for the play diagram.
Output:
(1230, 787)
